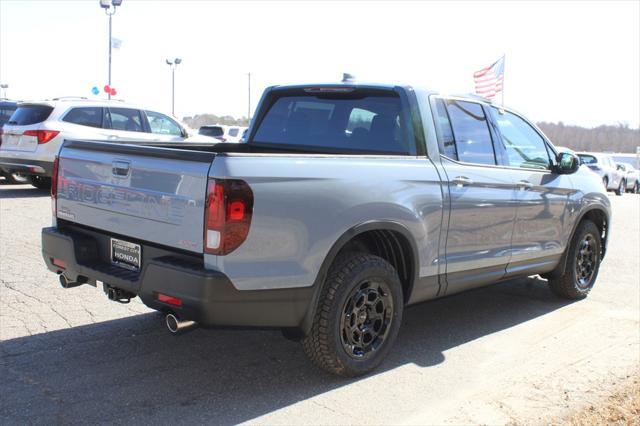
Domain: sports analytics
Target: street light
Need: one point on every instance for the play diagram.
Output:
(173, 64)
(4, 87)
(109, 7)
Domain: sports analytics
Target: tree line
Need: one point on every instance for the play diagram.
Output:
(619, 138)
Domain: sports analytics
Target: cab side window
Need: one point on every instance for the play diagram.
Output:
(163, 125)
(473, 142)
(523, 145)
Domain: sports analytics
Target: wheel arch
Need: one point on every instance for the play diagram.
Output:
(597, 215)
(395, 244)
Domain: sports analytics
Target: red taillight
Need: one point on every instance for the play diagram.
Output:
(228, 211)
(43, 136)
(54, 185)
(169, 300)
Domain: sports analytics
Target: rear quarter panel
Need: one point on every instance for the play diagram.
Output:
(304, 203)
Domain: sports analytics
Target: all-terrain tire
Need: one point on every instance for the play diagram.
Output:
(349, 276)
(573, 284)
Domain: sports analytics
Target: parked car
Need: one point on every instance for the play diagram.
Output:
(7, 108)
(223, 132)
(606, 168)
(217, 131)
(631, 177)
(234, 133)
(35, 131)
(347, 203)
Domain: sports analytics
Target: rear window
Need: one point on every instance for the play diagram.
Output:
(356, 122)
(87, 116)
(30, 114)
(587, 159)
(6, 111)
(211, 131)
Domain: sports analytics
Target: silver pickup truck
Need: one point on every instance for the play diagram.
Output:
(347, 203)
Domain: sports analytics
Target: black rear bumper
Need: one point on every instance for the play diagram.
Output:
(208, 297)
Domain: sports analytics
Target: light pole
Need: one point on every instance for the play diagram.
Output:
(173, 64)
(109, 7)
(4, 87)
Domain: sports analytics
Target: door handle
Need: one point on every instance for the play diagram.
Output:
(112, 137)
(120, 168)
(462, 181)
(524, 185)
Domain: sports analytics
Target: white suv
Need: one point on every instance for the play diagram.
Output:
(32, 137)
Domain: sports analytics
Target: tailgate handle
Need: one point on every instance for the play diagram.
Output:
(120, 168)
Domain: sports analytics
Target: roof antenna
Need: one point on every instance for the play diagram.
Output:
(346, 77)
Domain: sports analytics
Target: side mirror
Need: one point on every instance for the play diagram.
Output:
(567, 163)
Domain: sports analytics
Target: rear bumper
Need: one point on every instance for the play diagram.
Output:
(29, 167)
(208, 297)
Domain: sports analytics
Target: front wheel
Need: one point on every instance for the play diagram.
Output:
(621, 187)
(636, 188)
(358, 315)
(40, 182)
(583, 263)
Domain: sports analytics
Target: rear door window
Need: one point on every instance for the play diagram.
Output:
(26, 115)
(359, 122)
(126, 119)
(471, 132)
(446, 140)
(85, 116)
(234, 132)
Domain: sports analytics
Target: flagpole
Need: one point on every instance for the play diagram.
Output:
(503, 75)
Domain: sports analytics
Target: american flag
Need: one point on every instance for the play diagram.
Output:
(489, 80)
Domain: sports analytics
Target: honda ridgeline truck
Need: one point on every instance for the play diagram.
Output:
(347, 203)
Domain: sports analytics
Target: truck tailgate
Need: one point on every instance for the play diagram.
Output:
(141, 192)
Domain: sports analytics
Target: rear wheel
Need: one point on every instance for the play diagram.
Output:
(605, 181)
(358, 316)
(583, 263)
(40, 182)
(636, 188)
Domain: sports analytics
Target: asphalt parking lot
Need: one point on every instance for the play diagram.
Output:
(511, 352)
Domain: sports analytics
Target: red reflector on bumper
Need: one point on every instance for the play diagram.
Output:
(169, 299)
(59, 263)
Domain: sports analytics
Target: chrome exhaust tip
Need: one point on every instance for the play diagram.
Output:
(66, 283)
(176, 326)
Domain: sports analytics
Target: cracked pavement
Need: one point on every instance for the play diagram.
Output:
(511, 352)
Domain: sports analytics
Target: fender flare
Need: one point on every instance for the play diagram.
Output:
(562, 266)
(340, 243)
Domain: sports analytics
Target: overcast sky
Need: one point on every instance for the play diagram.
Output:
(573, 62)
